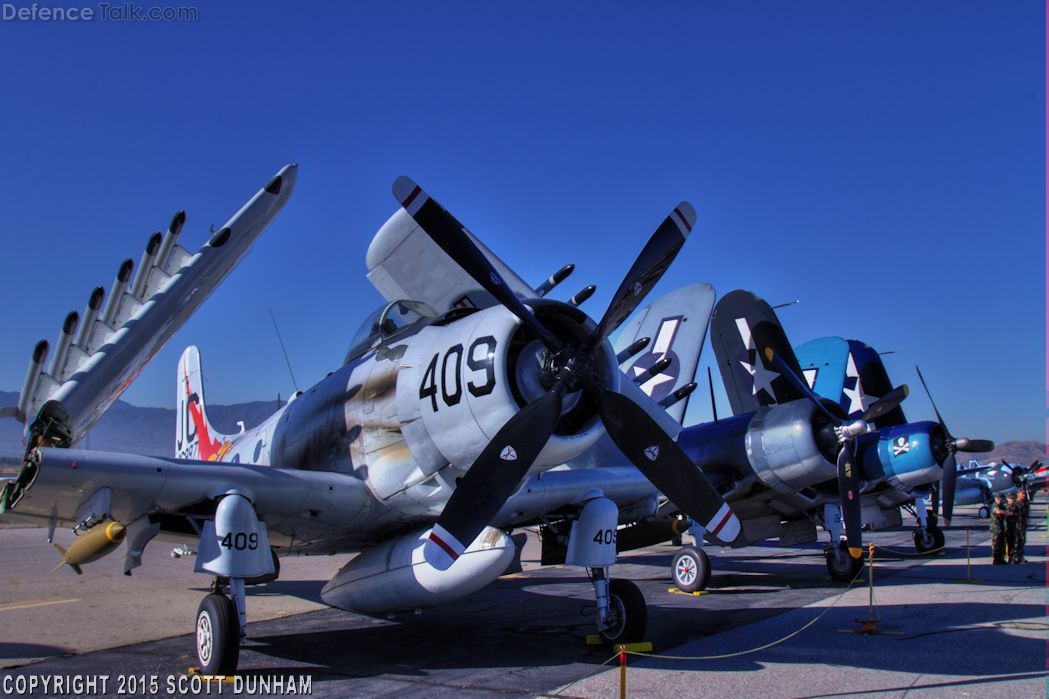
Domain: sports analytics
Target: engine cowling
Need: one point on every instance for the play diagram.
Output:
(395, 576)
(458, 384)
(791, 446)
(907, 456)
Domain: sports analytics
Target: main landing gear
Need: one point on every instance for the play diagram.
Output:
(690, 569)
(219, 634)
(840, 564)
(928, 538)
(622, 615)
(235, 549)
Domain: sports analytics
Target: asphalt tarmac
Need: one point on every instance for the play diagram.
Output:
(525, 634)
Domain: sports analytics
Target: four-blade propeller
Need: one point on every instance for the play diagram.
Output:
(571, 366)
(950, 463)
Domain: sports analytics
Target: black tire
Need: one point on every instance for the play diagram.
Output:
(929, 540)
(217, 636)
(630, 611)
(690, 569)
(843, 567)
(984, 512)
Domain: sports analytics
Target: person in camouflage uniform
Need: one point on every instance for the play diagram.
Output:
(998, 531)
(1012, 522)
(1023, 506)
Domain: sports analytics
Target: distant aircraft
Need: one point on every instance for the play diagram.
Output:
(980, 483)
(453, 404)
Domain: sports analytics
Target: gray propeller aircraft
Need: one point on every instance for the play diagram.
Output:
(468, 404)
(978, 483)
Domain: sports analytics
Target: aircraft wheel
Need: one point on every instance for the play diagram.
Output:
(843, 567)
(690, 569)
(218, 636)
(629, 612)
(984, 512)
(929, 540)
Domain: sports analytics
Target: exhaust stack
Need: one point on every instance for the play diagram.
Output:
(94, 303)
(170, 237)
(32, 378)
(119, 285)
(138, 288)
(65, 339)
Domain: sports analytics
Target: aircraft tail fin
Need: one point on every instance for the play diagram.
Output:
(850, 371)
(195, 438)
(676, 325)
(742, 328)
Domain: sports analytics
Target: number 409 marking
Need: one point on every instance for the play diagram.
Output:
(451, 387)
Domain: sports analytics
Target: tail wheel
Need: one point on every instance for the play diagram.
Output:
(218, 636)
(629, 613)
(929, 540)
(843, 566)
(984, 512)
(690, 569)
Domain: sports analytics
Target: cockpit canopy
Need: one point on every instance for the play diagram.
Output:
(385, 323)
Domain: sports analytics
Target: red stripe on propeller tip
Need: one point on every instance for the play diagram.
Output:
(682, 220)
(723, 522)
(447, 549)
(411, 197)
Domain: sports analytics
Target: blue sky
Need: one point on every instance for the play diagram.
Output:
(883, 162)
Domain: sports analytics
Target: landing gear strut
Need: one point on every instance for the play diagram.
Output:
(625, 616)
(622, 616)
(928, 538)
(234, 547)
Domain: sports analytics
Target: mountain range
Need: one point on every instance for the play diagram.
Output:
(151, 431)
(137, 430)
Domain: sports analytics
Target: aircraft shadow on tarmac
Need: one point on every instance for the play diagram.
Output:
(28, 650)
(510, 625)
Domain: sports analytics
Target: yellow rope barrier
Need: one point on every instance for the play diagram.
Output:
(751, 650)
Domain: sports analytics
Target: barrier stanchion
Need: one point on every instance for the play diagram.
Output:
(622, 672)
(870, 625)
(968, 564)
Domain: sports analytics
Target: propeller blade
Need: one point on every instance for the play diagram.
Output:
(776, 361)
(663, 462)
(928, 393)
(493, 477)
(849, 493)
(975, 446)
(648, 268)
(950, 480)
(886, 403)
(450, 235)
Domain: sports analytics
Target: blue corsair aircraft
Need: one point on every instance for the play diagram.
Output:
(902, 462)
(783, 460)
